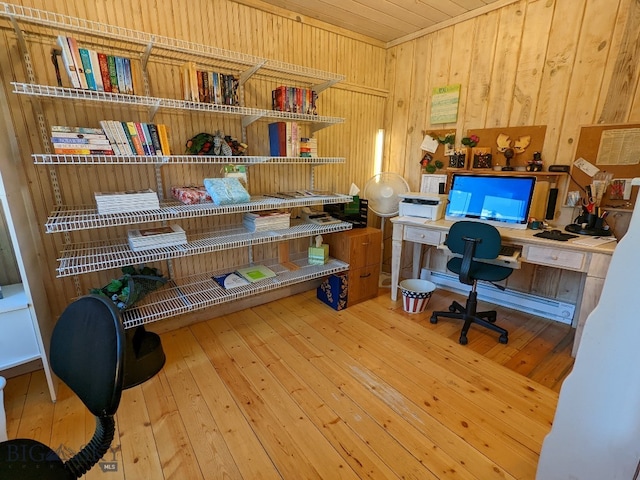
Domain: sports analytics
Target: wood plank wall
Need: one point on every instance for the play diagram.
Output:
(224, 24)
(560, 63)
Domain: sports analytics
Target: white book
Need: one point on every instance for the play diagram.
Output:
(67, 60)
(95, 68)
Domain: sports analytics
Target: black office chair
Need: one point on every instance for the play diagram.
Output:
(87, 353)
(474, 240)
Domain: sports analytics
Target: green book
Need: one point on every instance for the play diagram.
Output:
(256, 273)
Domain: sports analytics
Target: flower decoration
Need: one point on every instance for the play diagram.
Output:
(470, 141)
(449, 138)
(429, 165)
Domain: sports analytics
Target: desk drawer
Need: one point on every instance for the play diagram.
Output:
(556, 257)
(421, 235)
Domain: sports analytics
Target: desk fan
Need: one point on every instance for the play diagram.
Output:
(382, 192)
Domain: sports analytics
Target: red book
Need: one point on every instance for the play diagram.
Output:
(104, 71)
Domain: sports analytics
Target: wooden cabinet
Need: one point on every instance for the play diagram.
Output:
(361, 248)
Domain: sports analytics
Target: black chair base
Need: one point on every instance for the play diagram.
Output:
(469, 315)
(144, 356)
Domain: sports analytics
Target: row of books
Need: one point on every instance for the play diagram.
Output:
(147, 239)
(284, 139)
(266, 221)
(137, 138)
(208, 87)
(80, 141)
(294, 99)
(91, 70)
(126, 202)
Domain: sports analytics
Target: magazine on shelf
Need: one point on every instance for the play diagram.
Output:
(230, 280)
(167, 236)
(256, 273)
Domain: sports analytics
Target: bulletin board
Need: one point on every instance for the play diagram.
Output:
(488, 137)
(587, 148)
(440, 152)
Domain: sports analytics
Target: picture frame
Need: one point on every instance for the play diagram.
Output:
(481, 158)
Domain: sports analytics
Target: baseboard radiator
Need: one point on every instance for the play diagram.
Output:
(524, 302)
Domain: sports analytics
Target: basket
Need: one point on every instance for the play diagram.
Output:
(416, 294)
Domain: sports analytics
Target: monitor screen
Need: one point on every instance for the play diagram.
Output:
(500, 200)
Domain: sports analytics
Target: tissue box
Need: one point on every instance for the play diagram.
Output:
(333, 291)
(318, 255)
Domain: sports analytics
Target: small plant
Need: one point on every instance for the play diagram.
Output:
(470, 141)
(429, 165)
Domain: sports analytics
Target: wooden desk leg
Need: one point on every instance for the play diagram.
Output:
(417, 259)
(396, 253)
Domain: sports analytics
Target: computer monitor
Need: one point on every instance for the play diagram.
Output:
(500, 200)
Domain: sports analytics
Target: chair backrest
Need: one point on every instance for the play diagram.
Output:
(489, 242)
(87, 352)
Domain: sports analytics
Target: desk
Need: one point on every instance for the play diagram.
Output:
(592, 262)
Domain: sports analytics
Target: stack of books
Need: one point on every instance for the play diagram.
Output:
(265, 221)
(80, 141)
(125, 202)
(309, 147)
(147, 239)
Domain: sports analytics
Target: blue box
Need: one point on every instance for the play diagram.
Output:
(333, 291)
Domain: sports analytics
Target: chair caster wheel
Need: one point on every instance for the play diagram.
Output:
(433, 319)
(491, 319)
(503, 339)
(463, 340)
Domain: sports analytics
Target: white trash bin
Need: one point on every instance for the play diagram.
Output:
(416, 294)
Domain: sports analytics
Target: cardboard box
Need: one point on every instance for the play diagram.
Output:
(333, 291)
(318, 255)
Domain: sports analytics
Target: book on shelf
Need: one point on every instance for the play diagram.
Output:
(265, 221)
(155, 138)
(97, 73)
(68, 62)
(230, 280)
(104, 71)
(113, 74)
(134, 139)
(284, 139)
(146, 239)
(128, 77)
(120, 74)
(77, 60)
(164, 138)
(84, 130)
(85, 57)
(126, 202)
(256, 273)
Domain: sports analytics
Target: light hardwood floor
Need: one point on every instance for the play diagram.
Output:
(295, 390)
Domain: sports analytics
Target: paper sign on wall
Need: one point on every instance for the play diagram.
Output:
(444, 104)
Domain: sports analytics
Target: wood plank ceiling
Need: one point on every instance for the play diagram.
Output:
(389, 21)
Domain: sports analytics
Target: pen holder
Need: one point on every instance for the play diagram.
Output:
(590, 221)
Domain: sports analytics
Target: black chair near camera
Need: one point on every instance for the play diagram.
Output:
(87, 353)
(473, 242)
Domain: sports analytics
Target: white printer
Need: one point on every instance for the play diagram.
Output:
(425, 205)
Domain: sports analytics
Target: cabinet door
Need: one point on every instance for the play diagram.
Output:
(363, 284)
(365, 249)
(18, 342)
